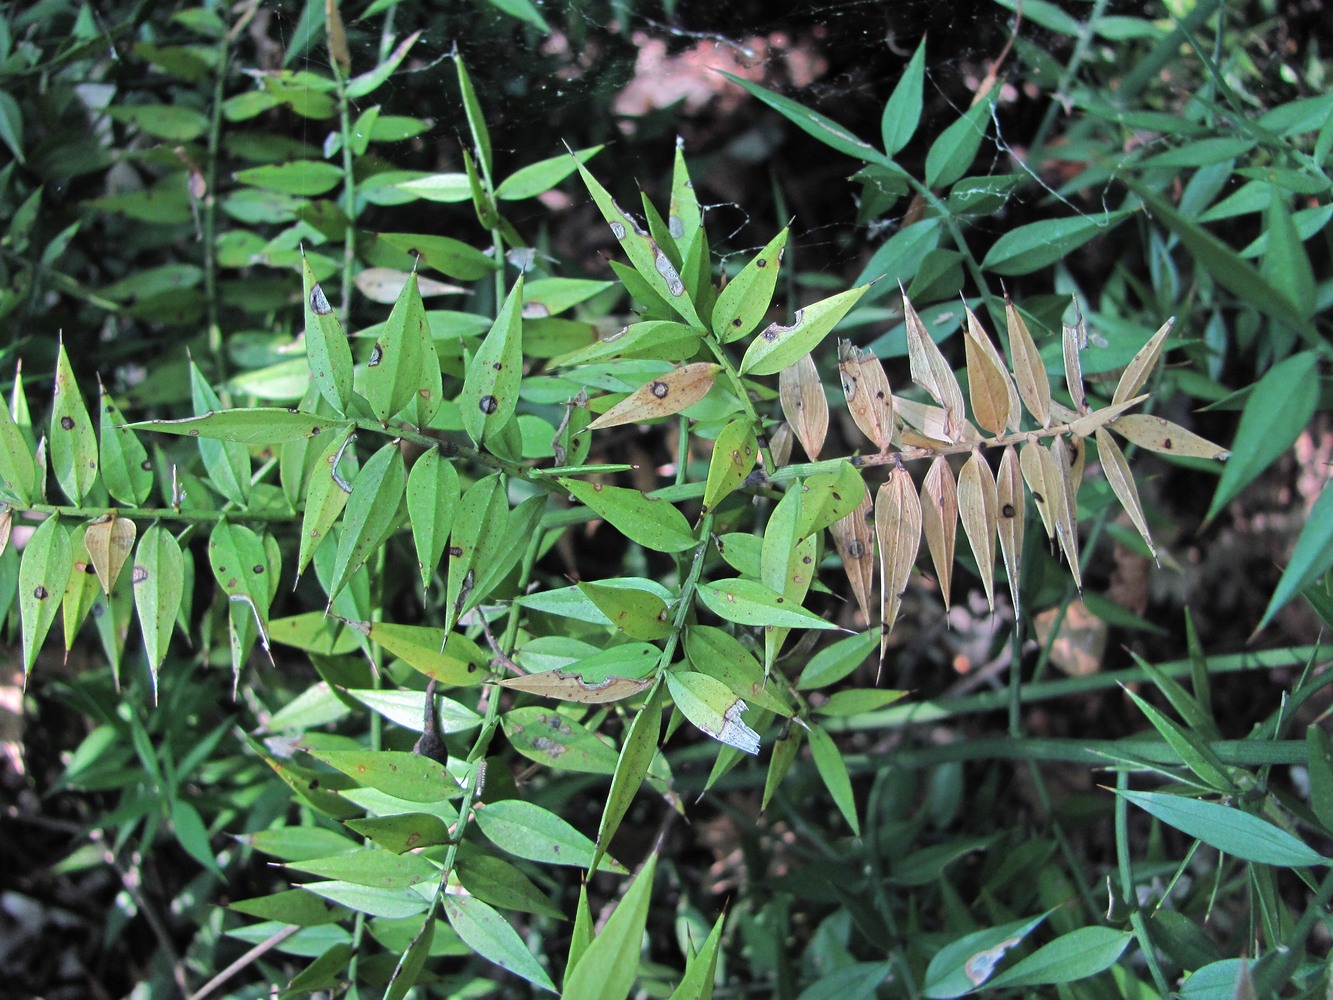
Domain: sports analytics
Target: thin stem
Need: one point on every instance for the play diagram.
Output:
(738, 386)
(349, 194)
(246, 960)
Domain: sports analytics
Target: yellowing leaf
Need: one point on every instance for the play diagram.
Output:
(932, 372)
(939, 520)
(994, 397)
(1141, 365)
(804, 404)
(109, 540)
(1068, 465)
(866, 387)
(1116, 471)
(734, 454)
(1161, 435)
(898, 525)
(1074, 338)
(1012, 515)
(663, 396)
(1029, 371)
(778, 346)
(978, 506)
(855, 542)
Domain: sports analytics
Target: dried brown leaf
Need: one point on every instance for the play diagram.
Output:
(779, 445)
(1094, 420)
(1116, 471)
(667, 394)
(1012, 510)
(855, 542)
(978, 507)
(1029, 371)
(804, 404)
(109, 540)
(932, 373)
(1141, 365)
(939, 520)
(866, 387)
(898, 526)
(994, 398)
(929, 422)
(1034, 468)
(1074, 339)
(1066, 465)
(1158, 434)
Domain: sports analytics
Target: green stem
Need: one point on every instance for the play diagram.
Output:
(751, 414)
(208, 232)
(349, 195)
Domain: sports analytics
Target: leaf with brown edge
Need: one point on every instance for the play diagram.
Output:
(995, 404)
(1141, 365)
(1160, 435)
(1035, 469)
(866, 387)
(1116, 471)
(1013, 514)
(856, 548)
(1073, 339)
(898, 525)
(663, 396)
(804, 404)
(1067, 464)
(939, 520)
(1029, 372)
(979, 509)
(932, 372)
(109, 540)
(570, 686)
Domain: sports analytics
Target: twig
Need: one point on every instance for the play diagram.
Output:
(251, 956)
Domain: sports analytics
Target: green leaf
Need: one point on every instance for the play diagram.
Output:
(1310, 559)
(409, 967)
(734, 454)
(370, 81)
(490, 936)
(455, 663)
(169, 122)
(900, 257)
(902, 112)
(307, 178)
(389, 903)
(858, 981)
(639, 614)
(226, 462)
(742, 304)
(655, 340)
(481, 137)
(479, 528)
(654, 524)
(372, 867)
(748, 602)
(1320, 750)
(260, 425)
(1237, 833)
(192, 834)
(631, 767)
(291, 906)
(43, 576)
(326, 496)
(501, 884)
(858, 701)
(326, 347)
(17, 469)
(526, 830)
(720, 654)
(432, 496)
(11, 125)
(833, 770)
(551, 296)
(403, 775)
(73, 443)
(779, 346)
(650, 261)
(962, 965)
(403, 367)
(1077, 955)
(402, 832)
(441, 253)
(126, 471)
(159, 580)
(832, 663)
(713, 708)
(609, 966)
(408, 709)
(701, 968)
(1039, 244)
(537, 178)
(1275, 413)
(371, 514)
(952, 153)
(825, 129)
(490, 392)
(684, 217)
(1285, 263)
(552, 739)
(1197, 755)
(241, 567)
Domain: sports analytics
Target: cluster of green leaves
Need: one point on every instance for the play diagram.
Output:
(434, 467)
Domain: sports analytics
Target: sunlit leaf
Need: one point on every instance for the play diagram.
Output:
(610, 965)
(734, 455)
(371, 513)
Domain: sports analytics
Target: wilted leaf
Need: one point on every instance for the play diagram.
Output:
(866, 387)
(1116, 470)
(932, 373)
(569, 685)
(1065, 465)
(1141, 365)
(1029, 371)
(667, 394)
(994, 397)
(386, 284)
(978, 507)
(1073, 339)
(804, 404)
(898, 526)
(1161, 435)
(1037, 467)
(939, 520)
(1012, 517)
(854, 540)
(109, 540)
